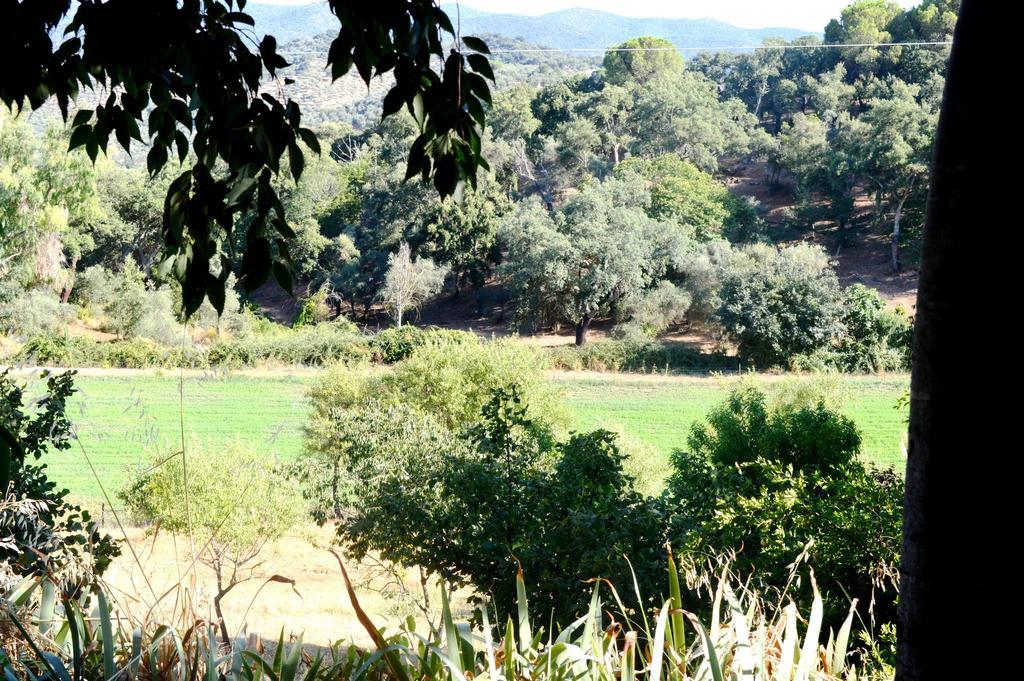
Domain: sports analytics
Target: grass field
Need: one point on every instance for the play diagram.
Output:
(123, 418)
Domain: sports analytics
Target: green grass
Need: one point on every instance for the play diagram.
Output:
(660, 411)
(125, 419)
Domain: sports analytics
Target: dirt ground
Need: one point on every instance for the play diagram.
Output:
(317, 606)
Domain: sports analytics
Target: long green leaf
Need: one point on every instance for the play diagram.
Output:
(523, 609)
(629, 657)
(108, 644)
(451, 634)
(290, 665)
(658, 652)
(842, 642)
(509, 643)
(675, 593)
(47, 605)
(784, 672)
(710, 654)
(808, 653)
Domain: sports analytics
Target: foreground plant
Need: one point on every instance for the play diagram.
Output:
(745, 639)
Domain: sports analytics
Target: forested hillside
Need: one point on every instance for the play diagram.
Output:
(646, 195)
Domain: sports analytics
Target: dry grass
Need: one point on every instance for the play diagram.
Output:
(317, 607)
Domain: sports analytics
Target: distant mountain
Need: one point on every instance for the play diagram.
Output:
(571, 28)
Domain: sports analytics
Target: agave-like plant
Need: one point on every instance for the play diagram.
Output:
(743, 641)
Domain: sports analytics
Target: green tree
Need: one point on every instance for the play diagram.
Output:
(897, 149)
(682, 114)
(232, 503)
(464, 235)
(639, 61)
(577, 263)
(196, 76)
(864, 22)
(774, 482)
(781, 302)
(685, 195)
(48, 206)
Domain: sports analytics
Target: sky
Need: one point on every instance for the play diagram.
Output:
(810, 15)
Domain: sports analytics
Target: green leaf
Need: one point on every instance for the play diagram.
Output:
(842, 642)
(392, 102)
(309, 139)
(296, 160)
(476, 44)
(82, 117)
(523, 610)
(283, 275)
(481, 65)
(678, 631)
(109, 643)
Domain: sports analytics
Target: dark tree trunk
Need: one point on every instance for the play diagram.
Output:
(957, 564)
(221, 624)
(581, 329)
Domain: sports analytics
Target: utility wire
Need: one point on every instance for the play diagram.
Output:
(713, 48)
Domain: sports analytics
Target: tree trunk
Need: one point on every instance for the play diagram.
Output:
(65, 294)
(956, 563)
(581, 329)
(220, 619)
(896, 234)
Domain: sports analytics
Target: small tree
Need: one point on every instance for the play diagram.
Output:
(409, 283)
(781, 302)
(234, 502)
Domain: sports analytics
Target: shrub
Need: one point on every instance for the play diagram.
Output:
(653, 312)
(41, 532)
(749, 632)
(453, 382)
(130, 303)
(781, 303)
(133, 353)
(34, 312)
(95, 288)
(318, 345)
(780, 485)
(314, 310)
(236, 500)
(469, 508)
(399, 342)
(644, 355)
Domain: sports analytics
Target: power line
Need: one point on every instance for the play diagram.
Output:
(719, 48)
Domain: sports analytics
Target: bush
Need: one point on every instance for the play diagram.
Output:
(875, 338)
(314, 310)
(317, 345)
(642, 356)
(134, 353)
(781, 303)
(453, 382)
(781, 485)
(468, 508)
(399, 342)
(41, 532)
(34, 312)
(606, 643)
(651, 313)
